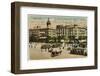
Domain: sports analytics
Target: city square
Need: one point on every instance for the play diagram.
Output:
(58, 41)
(36, 53)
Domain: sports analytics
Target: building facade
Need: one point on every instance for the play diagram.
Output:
(61, 32)
(71, 32)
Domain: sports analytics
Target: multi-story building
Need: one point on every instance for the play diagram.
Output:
(43, 34)
(67, 32)
(62, 30)
(71, 32)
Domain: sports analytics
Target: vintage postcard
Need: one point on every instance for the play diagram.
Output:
(57, 37)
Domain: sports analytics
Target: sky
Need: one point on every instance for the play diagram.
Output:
(41, 20)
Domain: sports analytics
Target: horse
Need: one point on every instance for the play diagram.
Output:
(55, 52)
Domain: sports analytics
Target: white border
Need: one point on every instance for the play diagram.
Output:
(39, 64)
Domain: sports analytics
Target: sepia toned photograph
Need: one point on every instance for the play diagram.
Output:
(57, 37)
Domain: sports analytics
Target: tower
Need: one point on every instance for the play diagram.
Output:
(48, 28)
(48, 23)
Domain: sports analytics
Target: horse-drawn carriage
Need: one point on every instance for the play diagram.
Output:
(54, 49)
(55, 52)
